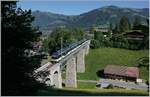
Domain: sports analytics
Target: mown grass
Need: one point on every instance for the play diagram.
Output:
(91, 92)
(97, 59)
(85, 85)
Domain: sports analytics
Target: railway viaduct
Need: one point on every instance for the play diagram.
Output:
(51, 73)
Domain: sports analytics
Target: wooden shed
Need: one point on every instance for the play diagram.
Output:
(121, 72)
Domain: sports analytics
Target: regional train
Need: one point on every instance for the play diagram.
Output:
(60, 54)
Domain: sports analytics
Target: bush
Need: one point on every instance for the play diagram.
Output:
(108, 43)
(110, 86)
(95, 43)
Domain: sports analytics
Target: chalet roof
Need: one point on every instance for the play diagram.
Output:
(135, 33)
(122, 71)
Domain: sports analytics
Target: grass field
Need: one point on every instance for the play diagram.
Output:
(91, 92)
(83, 85)
(97, 59)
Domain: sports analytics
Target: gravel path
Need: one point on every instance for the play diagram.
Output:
(128, 85)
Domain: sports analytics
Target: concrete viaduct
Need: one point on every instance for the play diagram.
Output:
(74, 60)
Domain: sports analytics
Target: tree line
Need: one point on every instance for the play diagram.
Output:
(64, 36)
(116, 38)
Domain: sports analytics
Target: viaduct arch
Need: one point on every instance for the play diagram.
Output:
(75, 62)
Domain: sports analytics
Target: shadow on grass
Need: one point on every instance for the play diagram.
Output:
(60, 92)
(100, 73)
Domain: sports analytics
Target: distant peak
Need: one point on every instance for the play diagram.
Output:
(111, 6)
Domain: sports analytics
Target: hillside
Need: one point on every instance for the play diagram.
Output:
(101, 16)
(48, 20)
(98, 59)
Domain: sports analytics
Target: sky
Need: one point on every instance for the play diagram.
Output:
(78, 7)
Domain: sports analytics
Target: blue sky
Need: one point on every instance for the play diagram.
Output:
(78, 7)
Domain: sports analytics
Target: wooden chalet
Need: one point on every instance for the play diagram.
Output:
(121, 72)
(135, 35)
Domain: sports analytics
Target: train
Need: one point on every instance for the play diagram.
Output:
(58, 55)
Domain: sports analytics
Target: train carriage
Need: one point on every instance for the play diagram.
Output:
(58, 55)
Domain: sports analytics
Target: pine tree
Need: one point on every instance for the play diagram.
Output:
(124, 24)
(17, 37)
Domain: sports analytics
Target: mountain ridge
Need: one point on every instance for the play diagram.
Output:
(48, 20)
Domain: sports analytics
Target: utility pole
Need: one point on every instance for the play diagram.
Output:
(61, 45)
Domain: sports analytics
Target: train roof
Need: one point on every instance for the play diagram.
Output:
(73, 44)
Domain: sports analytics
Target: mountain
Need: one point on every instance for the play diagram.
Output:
(112, 14)
(47, 21)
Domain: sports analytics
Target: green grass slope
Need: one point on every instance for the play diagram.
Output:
(97, 59)
(91, 92)
(83, 85)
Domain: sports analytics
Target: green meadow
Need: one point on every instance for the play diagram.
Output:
(91, 92)
(98, 59)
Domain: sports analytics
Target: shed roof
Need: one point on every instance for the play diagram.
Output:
(122, 71)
